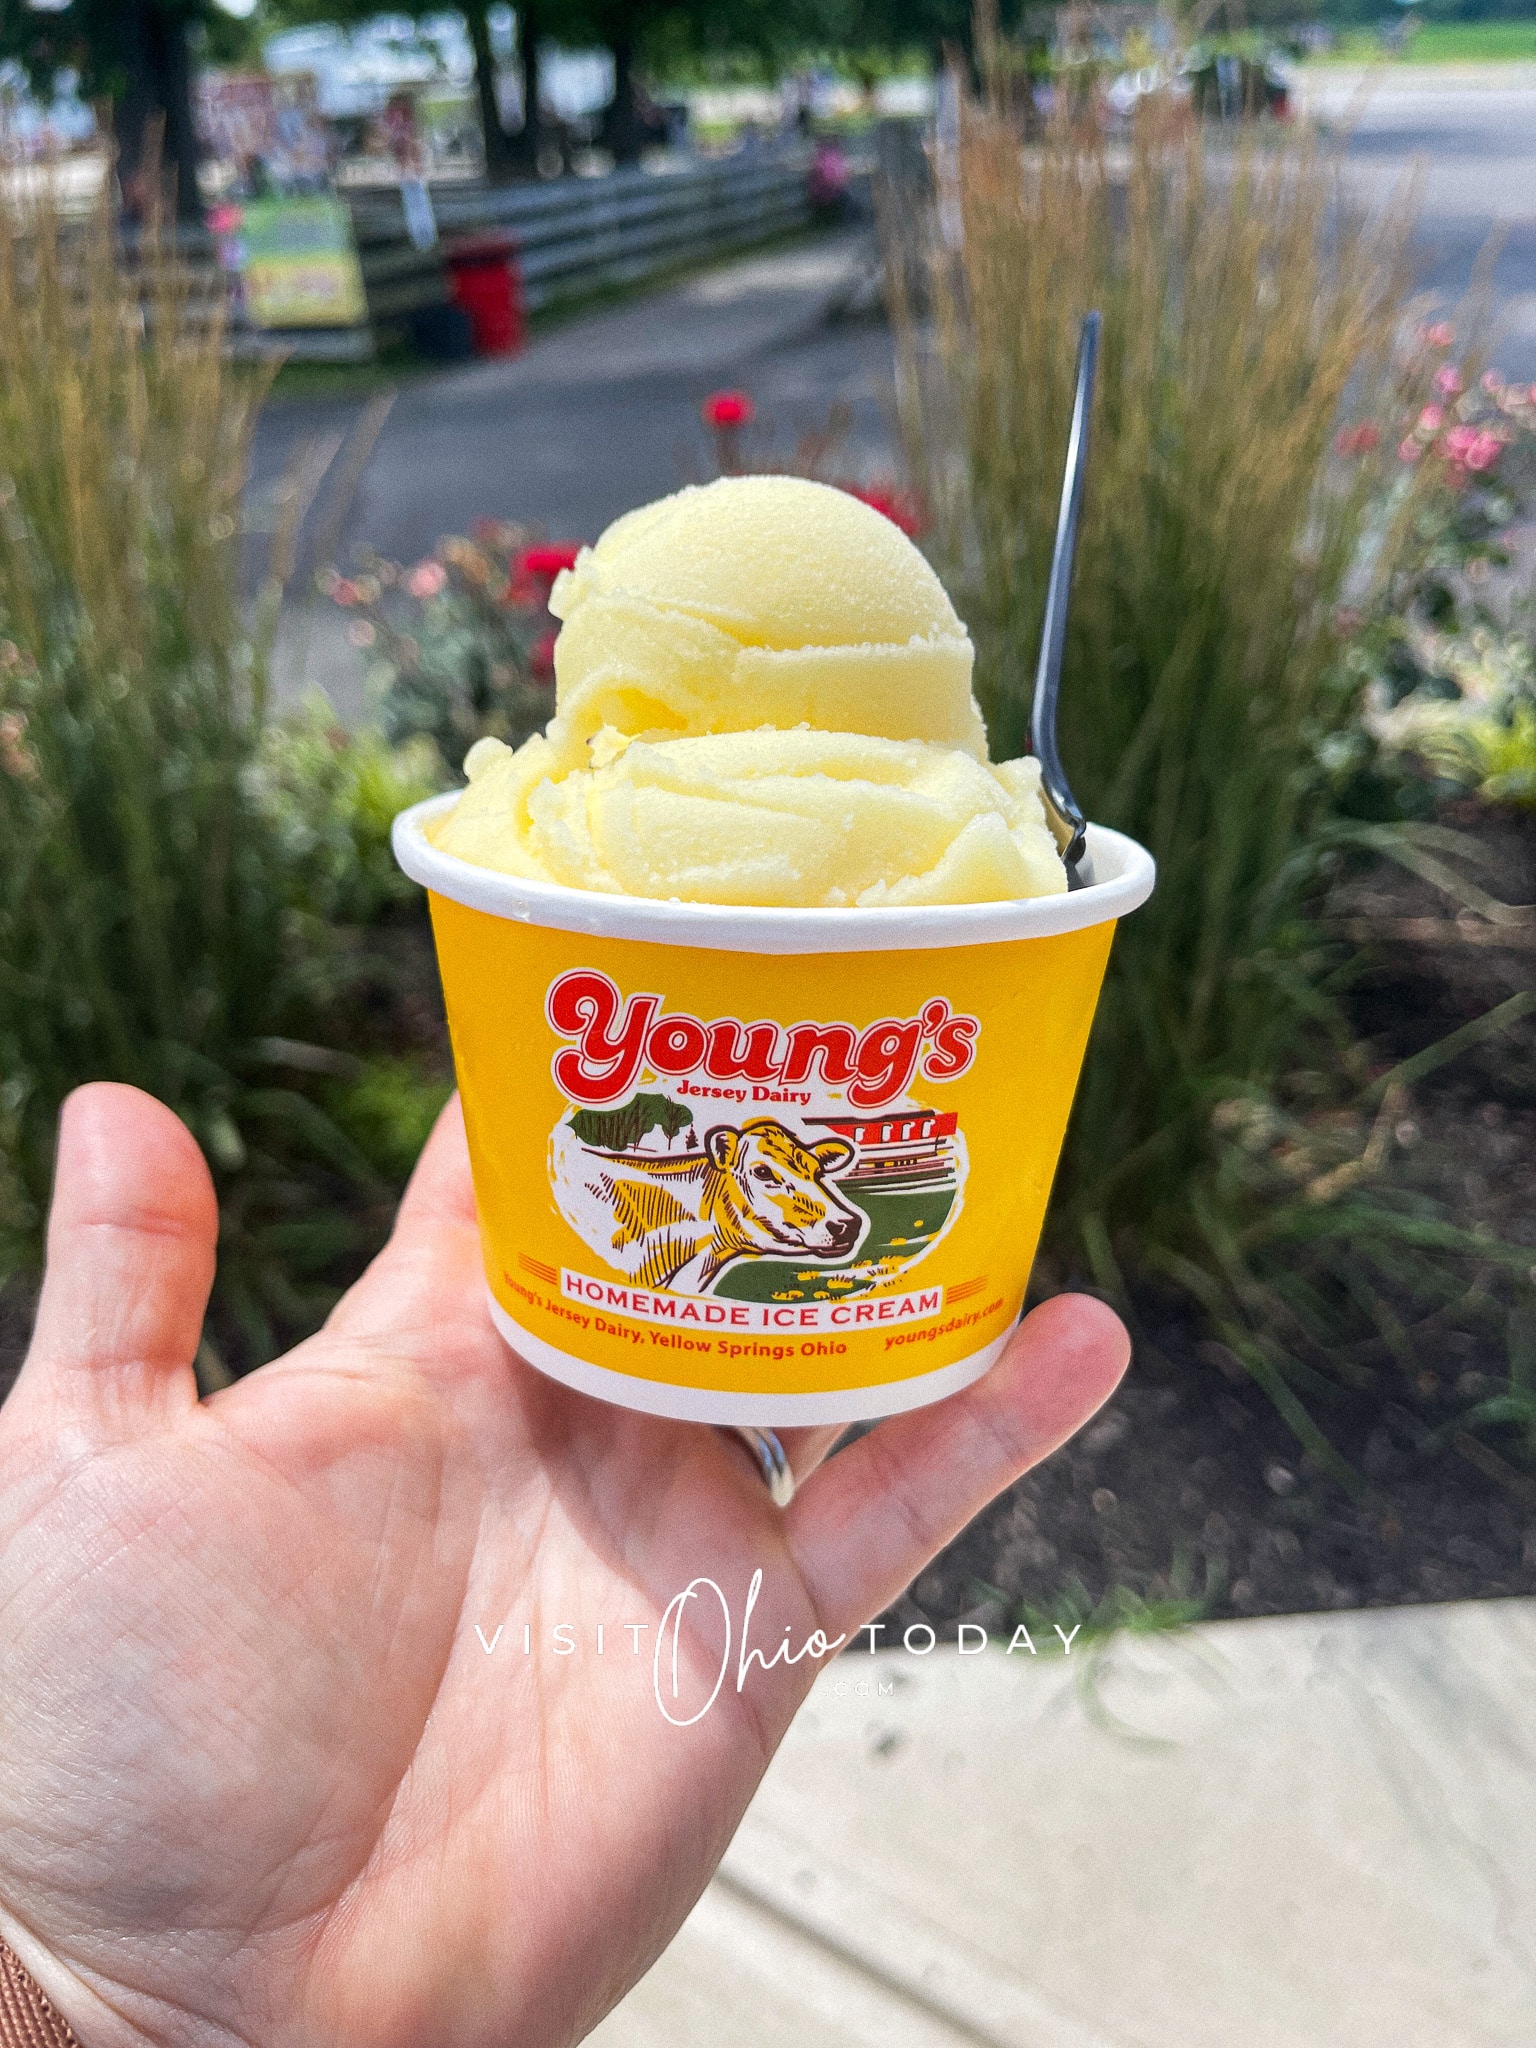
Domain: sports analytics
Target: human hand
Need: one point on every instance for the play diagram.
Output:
(261, 1782)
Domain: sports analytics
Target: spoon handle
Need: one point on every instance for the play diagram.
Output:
(1062, 809)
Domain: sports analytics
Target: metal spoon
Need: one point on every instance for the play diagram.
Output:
(1063, 813)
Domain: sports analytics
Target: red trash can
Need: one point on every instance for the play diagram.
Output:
(484, 279)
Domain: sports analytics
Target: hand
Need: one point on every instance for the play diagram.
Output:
(259, 1780)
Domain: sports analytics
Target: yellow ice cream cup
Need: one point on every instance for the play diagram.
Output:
(758, 1165)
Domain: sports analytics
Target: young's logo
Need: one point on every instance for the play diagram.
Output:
(615, 1041)
(825, 1195)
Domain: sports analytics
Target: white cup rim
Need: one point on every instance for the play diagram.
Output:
(1123, 871)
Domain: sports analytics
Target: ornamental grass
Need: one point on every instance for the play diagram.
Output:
(166, 891)
(1228, 1133)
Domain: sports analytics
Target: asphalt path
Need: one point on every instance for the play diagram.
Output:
(601, 412)
(1466, 138)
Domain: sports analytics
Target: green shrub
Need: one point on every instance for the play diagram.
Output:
(141, 928)
(460, 645)
(177, 875)
(1201, 670)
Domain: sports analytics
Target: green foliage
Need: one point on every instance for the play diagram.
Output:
(332, 796)
(177, 876)
(140, 932)
(460, 645)
(617, 1130)
(1504, 757)
(1201, 671)
(1489, 41)
(388, 1109)
(1448, 673)
(99, 38)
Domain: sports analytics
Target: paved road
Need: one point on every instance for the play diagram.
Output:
(602, 412)
(599, 415)
(1469, 135)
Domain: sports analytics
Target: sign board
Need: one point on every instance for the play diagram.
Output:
(296, 261)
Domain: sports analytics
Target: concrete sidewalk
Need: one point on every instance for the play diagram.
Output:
(1308, 1832)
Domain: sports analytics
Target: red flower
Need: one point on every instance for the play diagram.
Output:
(547, 559)
(541, 658)
(1357, 440)
(897, 505)
(727, 409)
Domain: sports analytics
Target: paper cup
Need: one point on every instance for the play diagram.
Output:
(763, 1166)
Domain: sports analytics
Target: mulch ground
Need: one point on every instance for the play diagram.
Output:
(1189, 1488)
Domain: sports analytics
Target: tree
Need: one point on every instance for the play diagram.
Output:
(893, 25)
(506, 153)
(636, 29)
(138, 55)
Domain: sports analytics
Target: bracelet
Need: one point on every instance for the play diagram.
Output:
(27, 2019)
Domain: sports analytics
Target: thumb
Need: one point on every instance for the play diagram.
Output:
(131, 1240)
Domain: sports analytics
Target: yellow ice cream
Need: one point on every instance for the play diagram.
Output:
(762, 696)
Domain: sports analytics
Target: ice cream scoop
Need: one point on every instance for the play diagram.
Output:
(763, 696)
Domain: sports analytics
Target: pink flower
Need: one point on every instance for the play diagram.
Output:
(1431, 419)
(728, 409)
(547, 559)
(1492, 383)
(1484, 451)
(1409, 450)
(361, 633)
(426, 579)
(16, 757)
(1448, 379)
(1473, 448)
(341, 590)
(1440, 335)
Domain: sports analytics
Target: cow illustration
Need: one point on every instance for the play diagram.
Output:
(679, 1221)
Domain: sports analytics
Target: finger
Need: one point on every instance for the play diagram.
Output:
(440, 1191)
(874, 1516)
(806, 1448)
(132, 1238)
(432, 1261)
